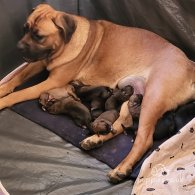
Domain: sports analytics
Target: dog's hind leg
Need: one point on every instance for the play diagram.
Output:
(143, 140)
(160, 96)
(95, 141)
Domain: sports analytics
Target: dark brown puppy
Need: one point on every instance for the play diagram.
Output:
(103, 124)
(63, 100)
(75, 109)
(164, 128)
(93, 96)
(47, 98)
(118, 97)
(183, 114)
(134, 105)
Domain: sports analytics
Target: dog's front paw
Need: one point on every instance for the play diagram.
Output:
(91, 142)
(4, 90)
(4, 103)
(116, 175)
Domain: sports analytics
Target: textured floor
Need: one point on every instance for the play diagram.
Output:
(33, 160)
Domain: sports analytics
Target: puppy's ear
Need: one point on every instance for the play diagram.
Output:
(66, 25)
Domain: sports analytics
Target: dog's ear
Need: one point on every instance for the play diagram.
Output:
(66, 25)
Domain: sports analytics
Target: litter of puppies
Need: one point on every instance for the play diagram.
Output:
(96, 108)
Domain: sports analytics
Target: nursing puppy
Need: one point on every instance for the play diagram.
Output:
(103, 124)
(75, 109)
(58, 101)
(93, 96)
(183, 114)
(102, 53)
(47, 98)
(164, 128)
(168, 125)
(118, 97)
(134, 105)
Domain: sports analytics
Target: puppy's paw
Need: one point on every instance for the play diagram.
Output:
(54, 108)
(91, 142)
(116, 176)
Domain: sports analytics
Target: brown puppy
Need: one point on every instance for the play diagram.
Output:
(47, 98)
(134, 105)
(73, 108)
(63, 100)
(93, 96)
(102, 53)
(103, 124)
(164, 128)
(118, 97)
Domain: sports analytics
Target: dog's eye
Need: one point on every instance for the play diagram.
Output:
(37, 37)
(26, 28)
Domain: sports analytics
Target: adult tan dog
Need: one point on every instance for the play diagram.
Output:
(102, 53)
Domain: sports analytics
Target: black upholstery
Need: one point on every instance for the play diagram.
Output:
(172, 19)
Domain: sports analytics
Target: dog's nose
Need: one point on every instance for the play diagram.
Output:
(22, 45)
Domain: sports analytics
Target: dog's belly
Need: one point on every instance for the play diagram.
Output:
(112, 75)
(137, 82)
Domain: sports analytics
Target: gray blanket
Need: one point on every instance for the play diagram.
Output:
(35, 161)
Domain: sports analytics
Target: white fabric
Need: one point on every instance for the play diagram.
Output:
(3, 190)
(170, 169)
